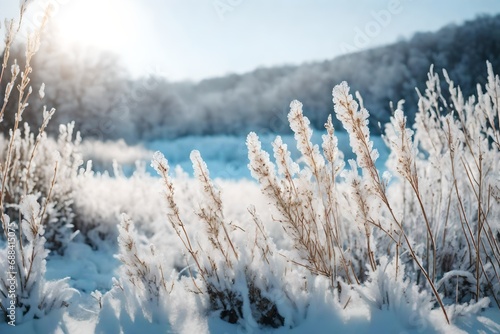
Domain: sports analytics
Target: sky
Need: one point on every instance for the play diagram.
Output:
(196, 39)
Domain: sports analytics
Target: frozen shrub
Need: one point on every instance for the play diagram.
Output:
(25, 282)
(452, 184)
(421, 235)
(97, 219)
(143, 272)
(436, 217)
(32, 171)
(60, 221)
(28, 174)
(306, 198)
(224, 270)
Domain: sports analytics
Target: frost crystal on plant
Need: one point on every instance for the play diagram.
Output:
(356, 123)
(41, 92)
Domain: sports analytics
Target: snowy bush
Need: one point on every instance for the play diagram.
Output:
(224, 269)
(40, 164)
(32, 205)
(422, 234)
(24, 282)
(449, 181)
(143, 272)
(97, 219)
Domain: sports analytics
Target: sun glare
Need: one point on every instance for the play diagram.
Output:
(107, 25)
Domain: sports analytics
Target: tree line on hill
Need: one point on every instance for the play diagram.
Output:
(95, 91)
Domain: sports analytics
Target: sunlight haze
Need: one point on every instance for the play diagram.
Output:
(196, 39)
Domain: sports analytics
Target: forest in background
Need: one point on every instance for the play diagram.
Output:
(95, 90)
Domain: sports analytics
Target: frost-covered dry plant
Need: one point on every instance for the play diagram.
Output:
(305, 198)
(452, 184)
(32, 171)
(383, 216)
(97, 219)
(29, 158)
(28, 173)
(225, 271)
(34, 296)
(444, 205)
(423, 234)
(144, 273)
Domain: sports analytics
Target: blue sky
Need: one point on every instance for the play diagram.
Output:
(195, 39)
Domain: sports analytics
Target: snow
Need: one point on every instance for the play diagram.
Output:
(227, 156)
(83, 316)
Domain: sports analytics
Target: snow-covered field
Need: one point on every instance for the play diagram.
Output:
(103, 198)
(226, 156)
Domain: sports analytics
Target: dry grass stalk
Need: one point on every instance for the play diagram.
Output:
(356, 123)
(218, 276)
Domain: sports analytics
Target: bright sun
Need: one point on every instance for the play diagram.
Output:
(104, 24)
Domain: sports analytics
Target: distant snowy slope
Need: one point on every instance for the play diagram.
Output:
(226, 156)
